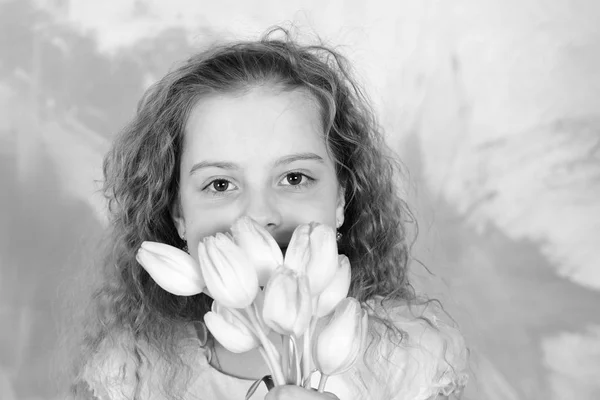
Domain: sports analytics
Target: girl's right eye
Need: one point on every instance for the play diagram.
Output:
(218, 187)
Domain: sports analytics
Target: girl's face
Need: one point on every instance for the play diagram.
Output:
(261, 153)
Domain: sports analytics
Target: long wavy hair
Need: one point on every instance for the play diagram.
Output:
(141, 185)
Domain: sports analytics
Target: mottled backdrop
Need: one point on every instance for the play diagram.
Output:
(492, 105)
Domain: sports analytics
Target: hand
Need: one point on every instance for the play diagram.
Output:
(292, 392)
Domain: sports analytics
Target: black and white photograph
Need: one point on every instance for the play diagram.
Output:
(299, 200)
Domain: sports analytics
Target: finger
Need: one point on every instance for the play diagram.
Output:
(277, 393)
(283, 392)
(329, 394)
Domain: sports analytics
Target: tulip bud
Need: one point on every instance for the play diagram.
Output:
(339, 343)
(287, 305)
(229, 330)
(337, 290)
(297, 254)
(172, 269)
(262, 250)
(228, 276)
(323, 258)
(313, 251)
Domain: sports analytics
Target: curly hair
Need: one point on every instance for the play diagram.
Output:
(141, 185)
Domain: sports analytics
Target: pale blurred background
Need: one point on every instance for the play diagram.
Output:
(494, 106)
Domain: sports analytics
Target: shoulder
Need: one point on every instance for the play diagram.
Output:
(123, 367)
(110, 373)
(418, 350)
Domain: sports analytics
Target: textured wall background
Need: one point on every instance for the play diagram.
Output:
(493, 105)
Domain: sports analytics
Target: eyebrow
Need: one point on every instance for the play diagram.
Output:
(282, 161)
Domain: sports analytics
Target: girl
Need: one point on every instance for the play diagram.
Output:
(279, 132)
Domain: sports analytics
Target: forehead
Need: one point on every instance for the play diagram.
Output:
(262, 121)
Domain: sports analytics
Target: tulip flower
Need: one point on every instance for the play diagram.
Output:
(232, 333)
(313, 251)
(262, 250)
(229, 278)
(297, 254)
(172, 269)
(337, 290)
(259, 304)
(339, 343)
(287, 305)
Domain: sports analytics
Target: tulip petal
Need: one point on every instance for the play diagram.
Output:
(228, 334)
(304, 306)
(165, 250)
(236, 256)
(297, 255)
(176, 256)
(259, 305)
(214, 271)
(287, 305)
(181, 279)
(337, 289)
(323, 257)
(210, 273)
(228, 277)
(230, 317)
(275, 250)
(276, 307)
(340, 341)
(240, 270)
(260, 247)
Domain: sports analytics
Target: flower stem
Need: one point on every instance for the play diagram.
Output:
(250, 325)
(255, 329)
(322, 383)
(285, 357)
(306, 359)
(266, 357)
(307, 353)
(296, 359)
(270, 349)
(243, 320)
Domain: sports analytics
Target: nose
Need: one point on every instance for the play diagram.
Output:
(262, 207)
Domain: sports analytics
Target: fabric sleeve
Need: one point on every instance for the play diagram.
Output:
(121, 369)
(430, 358)
(110, 374)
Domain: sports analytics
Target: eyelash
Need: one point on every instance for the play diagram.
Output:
(296, 187)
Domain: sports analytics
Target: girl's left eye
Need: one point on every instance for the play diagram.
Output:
(297, 180)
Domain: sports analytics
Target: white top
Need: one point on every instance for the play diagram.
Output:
(427, 362)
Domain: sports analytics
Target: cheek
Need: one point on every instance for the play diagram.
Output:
(201, 223)
(319, 207)
(318, 213)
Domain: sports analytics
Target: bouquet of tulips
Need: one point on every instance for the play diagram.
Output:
(257, 290)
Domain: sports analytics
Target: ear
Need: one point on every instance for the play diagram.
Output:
(178, 219)
(341, 203)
